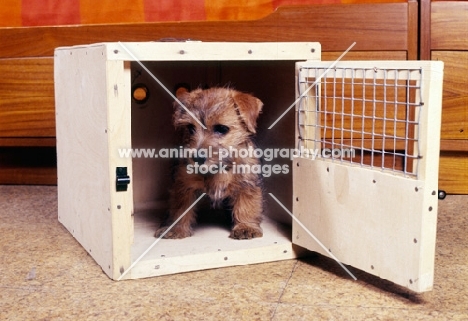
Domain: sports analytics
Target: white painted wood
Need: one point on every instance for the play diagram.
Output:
(119, 136)
(428, 170)
(84, 182)
(209, 247)
(196, 50)
(381, 223)
(207, 51)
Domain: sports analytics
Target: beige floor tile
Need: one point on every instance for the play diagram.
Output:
(46, 275)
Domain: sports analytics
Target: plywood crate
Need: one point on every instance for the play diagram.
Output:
(113, 97)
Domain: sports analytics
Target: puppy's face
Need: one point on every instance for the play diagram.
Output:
(229, 117)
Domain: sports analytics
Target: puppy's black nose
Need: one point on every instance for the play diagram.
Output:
(199, 160)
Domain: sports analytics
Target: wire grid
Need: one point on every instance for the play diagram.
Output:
(367, 117)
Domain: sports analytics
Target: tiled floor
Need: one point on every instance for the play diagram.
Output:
(46, 275)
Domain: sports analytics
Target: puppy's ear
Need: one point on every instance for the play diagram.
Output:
(249, 108)
(180, 90)
(183, 95)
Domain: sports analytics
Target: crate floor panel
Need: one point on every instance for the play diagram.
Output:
(209, 247)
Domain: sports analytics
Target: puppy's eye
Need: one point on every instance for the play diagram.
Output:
(191, 129)
(221, 129)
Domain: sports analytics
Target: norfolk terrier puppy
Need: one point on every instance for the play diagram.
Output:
(229, 118)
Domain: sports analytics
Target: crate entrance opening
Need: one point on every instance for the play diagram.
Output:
(153, 133)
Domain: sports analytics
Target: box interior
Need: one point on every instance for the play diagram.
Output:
(270, 81)
(273, 82)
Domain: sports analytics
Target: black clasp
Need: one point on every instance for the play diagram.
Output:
(122, 180)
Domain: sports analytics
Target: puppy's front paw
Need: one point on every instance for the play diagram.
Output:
(174, 233)
(243, 231)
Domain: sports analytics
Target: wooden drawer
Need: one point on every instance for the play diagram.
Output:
(27, 98)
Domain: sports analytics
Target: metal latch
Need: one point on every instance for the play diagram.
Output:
(442, 194)
(122, 180)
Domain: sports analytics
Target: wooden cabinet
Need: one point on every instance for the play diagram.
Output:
(382, 31)
(444, 31)
(27, 121)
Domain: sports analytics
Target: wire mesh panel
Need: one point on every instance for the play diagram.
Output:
(362, 116)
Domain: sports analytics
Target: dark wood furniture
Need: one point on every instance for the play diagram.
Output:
(389, 31)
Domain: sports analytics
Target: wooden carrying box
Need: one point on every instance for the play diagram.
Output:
(113, 97)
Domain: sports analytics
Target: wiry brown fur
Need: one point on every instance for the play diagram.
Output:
(241, 192)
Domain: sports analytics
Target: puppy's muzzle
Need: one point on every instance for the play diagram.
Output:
(199, 160)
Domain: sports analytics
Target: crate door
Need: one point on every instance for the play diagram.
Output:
(365, 185)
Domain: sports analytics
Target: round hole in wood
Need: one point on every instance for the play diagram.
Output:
(140, 94)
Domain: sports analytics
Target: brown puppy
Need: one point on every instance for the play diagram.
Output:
(220, 167)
